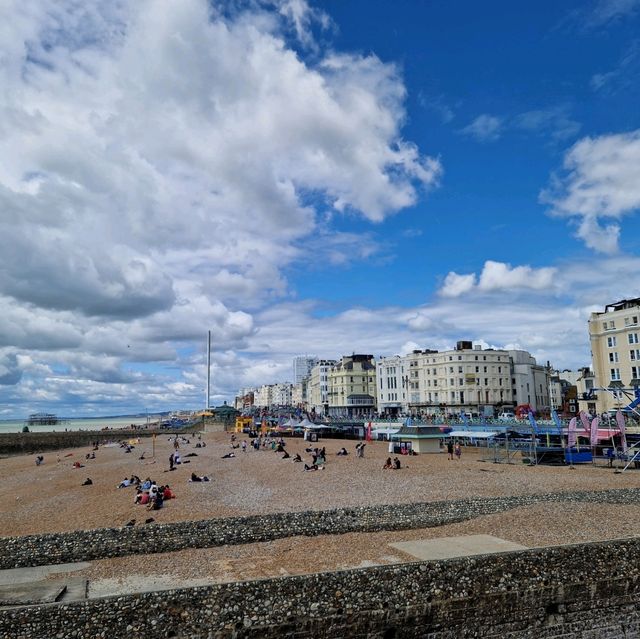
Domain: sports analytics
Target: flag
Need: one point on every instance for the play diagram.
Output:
(621, 426)
(594, 431)
(532, 421)
(586, 424)
(556, 421)
(572, 437)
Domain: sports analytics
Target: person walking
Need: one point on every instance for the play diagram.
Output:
(457, 451)
(449, 450)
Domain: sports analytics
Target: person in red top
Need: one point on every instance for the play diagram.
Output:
(168, 493)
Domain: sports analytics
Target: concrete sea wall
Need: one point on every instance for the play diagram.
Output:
(31, 443)
(585, 591)
(87, 545)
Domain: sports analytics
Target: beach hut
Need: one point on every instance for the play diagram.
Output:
(423, 439)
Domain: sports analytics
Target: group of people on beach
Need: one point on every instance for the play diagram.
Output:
(392, 465)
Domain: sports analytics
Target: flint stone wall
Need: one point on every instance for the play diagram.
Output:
(87, 545)
(586, 591)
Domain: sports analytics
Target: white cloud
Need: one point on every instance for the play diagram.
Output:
(604, 12)
(455, 285)
(485, 128)
(498, 276)
(162, 163)
(553, 122)
(601, 181)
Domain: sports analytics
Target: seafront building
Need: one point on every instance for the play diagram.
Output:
(352, 387)
(615, 351)
(302, 366)
(467, 379)
(318, 386)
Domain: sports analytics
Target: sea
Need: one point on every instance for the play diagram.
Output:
(76, 423)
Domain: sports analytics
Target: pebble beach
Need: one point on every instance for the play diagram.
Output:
(51, 498)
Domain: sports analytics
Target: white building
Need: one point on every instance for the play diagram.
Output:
(391, 386)
(318, 386)
(530, 381)
(263, 396)
(302, 366)
(467, 379)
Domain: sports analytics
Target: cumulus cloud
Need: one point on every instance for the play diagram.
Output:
(498, 276)
(162, 163)
(455, 284)
(600, 182)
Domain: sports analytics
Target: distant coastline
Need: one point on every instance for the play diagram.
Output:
(77, 423)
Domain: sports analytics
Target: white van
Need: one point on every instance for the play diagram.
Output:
(506, 416)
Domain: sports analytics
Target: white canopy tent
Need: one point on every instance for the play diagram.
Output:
(471, 433)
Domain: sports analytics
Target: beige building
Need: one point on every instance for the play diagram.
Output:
(352, 386)
(615, 352)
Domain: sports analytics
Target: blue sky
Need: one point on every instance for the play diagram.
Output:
(305, 177)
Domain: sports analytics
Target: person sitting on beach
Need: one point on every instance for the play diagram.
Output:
(286, 455)
(396, 464)
(228, 455)
(312, 467)
(279, 448)
(157, 503)
(124, 483)
(142, 498)
(195, 477)
(387, 464)
(39, 460)
(342, 452)
(78, 465)
(168, 493)
(146, 484)
(297, 458)
(87, 482)
(176, 459)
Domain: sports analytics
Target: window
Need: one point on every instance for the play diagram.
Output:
(477, 369)
(613, 356)
(452, 382)
(461, 382)
(634, 355)
(609, 326)
(459, 369)
(615, 374)
(633, 338)
(612, 341)
(635, 372)
(451, 369)
(485, 369)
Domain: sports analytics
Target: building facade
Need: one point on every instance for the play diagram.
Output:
(352, 387)
(615, 352)
(467, 379)
(302, 367)
(391, 391)
(318, 386)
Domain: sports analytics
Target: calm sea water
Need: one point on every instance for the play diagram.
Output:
(81, 423)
